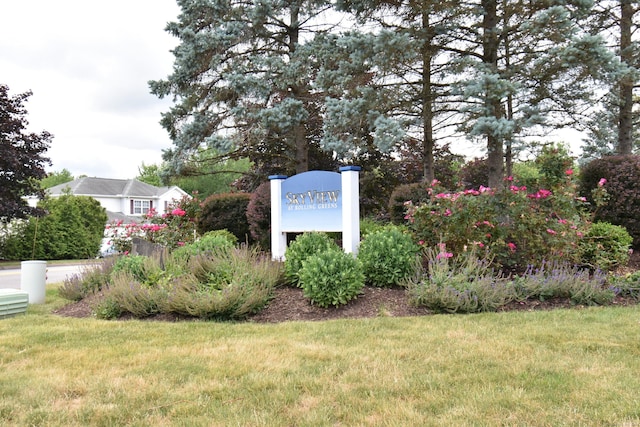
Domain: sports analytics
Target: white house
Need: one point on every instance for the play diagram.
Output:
(123, 199)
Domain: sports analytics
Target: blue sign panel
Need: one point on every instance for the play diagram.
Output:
(312, 201)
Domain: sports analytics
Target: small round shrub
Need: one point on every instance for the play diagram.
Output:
(225, 211)
(475, 173)
(388, 256)
(605, 246)
(305, 245)
(416, 192)
(620, 177)
(331, 277)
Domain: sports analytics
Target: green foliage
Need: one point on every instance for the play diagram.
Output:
(72, 229)
(225, 211)
(605, 246)
(553, 280)
(55, 178)
(388, 256)
(107, 308)
(222, 284)
(517, 227)
(228, 286)
(553, 164)
(331, 277)
(461, 284)
(416, 193)
(210, 242)
(627, 285)
(150, 174)
(92, 279)
(131, 264)
(527, 174)
(304, 246)
(259, 215)
(620, 177)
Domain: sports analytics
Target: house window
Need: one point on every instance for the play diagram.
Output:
(140, 207)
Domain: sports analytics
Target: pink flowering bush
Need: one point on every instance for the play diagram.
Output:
(172, 229)
(514, 226)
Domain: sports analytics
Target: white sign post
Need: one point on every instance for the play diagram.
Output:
(315, 201)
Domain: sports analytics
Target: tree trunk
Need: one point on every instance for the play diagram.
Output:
(625, 118)
(299, 133)
(427, 100)
(495, 149)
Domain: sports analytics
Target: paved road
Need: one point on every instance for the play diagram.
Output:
(10, 278)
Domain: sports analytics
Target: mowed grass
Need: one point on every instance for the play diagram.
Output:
(564, 367)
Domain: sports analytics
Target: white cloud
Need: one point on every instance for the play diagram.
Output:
(88, 65)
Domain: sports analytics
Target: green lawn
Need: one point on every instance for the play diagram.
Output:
(564, 367)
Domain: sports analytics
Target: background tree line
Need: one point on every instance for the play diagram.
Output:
(301, 85)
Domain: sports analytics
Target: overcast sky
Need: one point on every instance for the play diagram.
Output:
(88, 64)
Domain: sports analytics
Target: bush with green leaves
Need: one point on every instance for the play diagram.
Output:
(517, 226)
(605, 246)
(561, 280)
(416, 193)
(72, 229)
(211, 241)
(304, 246)
(388, 256)
(627, 285)
(225, 212)
(620, 177)
(91, 279)
(221, 285)
(458, 284)
(331, 277)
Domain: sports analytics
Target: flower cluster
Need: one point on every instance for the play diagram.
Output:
(514, 225)
(172, 229)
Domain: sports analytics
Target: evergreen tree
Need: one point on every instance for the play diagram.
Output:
(240, 84)
(613, 128)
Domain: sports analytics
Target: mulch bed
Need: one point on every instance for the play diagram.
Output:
(289, 304)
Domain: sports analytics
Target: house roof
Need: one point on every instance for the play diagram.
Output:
(106, 187)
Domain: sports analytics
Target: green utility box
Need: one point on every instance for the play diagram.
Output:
(12, 302)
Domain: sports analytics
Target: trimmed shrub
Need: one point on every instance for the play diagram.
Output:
(605, 246)
(620, 177)
(225, 211)
(417, 193)
(304, 246)
(331, 277)
(388, 256)
(259, 215)
(132, 264)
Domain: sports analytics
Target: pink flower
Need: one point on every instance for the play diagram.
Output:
(444, 255)
(178, 212)
(447, 212)
(512, 246)
(562, 221)
(602, 182)
(569, 172)
(479, 244)
(421, 242)
(509, 178)
(550, 231)
(180, 243)
(435, 182)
